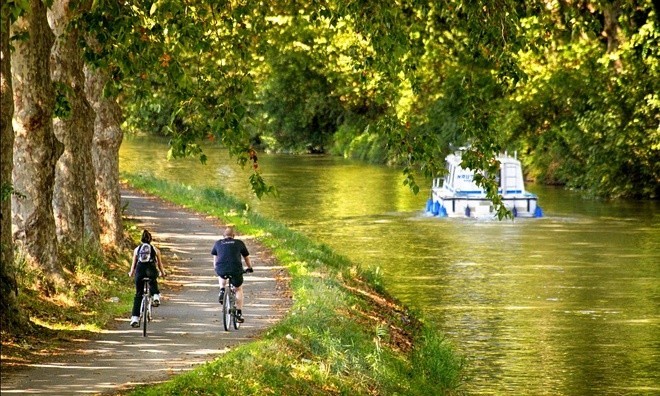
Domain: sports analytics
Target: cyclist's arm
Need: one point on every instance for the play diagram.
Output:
(132, 271)
(159, 262)
(246, 255)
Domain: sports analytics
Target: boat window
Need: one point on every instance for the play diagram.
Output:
(512, 178)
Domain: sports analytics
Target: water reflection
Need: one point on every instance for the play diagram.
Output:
(567, 304)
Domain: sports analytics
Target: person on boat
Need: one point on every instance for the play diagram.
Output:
(146, 264)
(227, 253)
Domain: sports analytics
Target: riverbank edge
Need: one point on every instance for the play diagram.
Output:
(344, 333)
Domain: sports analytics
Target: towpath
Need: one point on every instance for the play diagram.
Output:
(187, 330)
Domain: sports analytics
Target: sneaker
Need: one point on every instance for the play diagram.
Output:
(221, 295)
(239, 317)
(135, 321)
(156, 301)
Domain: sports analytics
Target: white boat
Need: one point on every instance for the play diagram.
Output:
(457, 195)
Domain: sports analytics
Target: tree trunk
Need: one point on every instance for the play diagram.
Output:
(612, 30)
(74, 200)
(36, 149)
(8, 287)
(105, 155)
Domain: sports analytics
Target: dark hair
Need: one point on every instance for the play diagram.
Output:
(146, 237)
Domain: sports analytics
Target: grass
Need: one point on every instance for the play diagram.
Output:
(97, 290)
(343, 335)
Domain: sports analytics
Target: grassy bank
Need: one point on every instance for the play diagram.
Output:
(343, 335)
(97, 291)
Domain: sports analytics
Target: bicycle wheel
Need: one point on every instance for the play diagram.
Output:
(226, 310)
(233, 313)
(145, 314)
(141, 314)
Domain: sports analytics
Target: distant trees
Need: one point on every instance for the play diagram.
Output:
(587, 113)
(571, 86)
(300, 109)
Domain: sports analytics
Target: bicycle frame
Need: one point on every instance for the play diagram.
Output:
(229, 307)
(145, 308)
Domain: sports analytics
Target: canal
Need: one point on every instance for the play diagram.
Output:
(568, 304)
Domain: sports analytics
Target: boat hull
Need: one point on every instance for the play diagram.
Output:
(522, 205)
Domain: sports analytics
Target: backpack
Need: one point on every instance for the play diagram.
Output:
(145, 254)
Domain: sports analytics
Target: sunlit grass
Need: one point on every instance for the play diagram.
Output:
(91, 327)
(343, 334)
(96, 290)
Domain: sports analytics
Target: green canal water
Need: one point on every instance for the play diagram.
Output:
(568, 304)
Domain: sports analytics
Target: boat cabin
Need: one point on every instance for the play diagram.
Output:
(461, 181)
(457, 195)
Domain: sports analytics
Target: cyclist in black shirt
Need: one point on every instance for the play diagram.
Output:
(146, 263)
(227, 253)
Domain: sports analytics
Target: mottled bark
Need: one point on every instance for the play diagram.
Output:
(8, 287)
(74, 200)
(6, 144)
(92, 218)
(36, 149)
(105, 156)
(612, 29)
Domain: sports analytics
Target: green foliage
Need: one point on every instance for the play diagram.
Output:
(587, 118)
(182, 69)
(572, 88)
(12, 9)
(260, 187)
(6, 190)
(363, 144)
(297, 105)
(62, 103)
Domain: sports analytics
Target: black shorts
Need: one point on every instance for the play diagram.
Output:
(236, 279)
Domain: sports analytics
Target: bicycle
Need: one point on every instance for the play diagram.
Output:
(229, 310)
(145, 307)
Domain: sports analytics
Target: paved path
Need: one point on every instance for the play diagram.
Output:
(187, 329)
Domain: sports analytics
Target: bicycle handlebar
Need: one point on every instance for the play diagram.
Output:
(161, 274)
(245, 271)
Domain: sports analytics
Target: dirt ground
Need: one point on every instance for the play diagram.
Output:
(187, 329)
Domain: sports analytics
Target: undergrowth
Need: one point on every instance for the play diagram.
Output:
(95, 290)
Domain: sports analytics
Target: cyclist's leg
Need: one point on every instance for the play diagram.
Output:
(237, 281)
(222, 282)
(139, 291)
(152, 273)
(239, 298)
